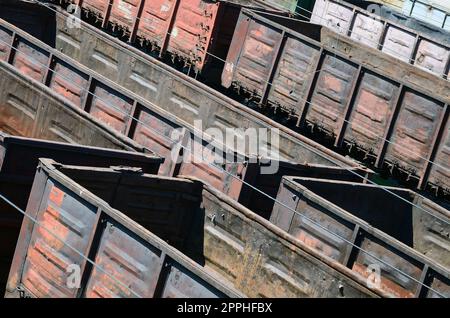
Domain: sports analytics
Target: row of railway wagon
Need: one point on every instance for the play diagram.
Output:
(98, 107)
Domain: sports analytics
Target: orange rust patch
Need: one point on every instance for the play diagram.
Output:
(332, 83)
(56, 196)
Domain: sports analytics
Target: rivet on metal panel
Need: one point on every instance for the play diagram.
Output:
(294, 197)
(223, 216)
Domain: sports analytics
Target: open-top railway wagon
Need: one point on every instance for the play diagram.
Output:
(66, 225)
(324, 213)
(19, 158)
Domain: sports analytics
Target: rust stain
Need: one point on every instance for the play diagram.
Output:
(56, 196)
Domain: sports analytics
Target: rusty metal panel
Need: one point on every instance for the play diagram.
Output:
(424, 223)
(69, 82)
(111, 107)
(192, 30)
(157, 133)
(30, 60)
(234, 52)
(309, 229)
(128, 260)
(210, 163)
(391, 280)
(101, 59)
(294, 71)
(30, 17)
(44, 269)
(414, 131)
(124, 13)
(372, 109)
(260, 260)
(432, 57)
(282, 215)
(19, 107)
(331, 93)
(308, 226)
(155, 21)
(257, 55)
(367, 30)
(5, 43)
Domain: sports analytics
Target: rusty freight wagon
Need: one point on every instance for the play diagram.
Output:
(364, 104)
(141, 120)
(236, 247)
(73, 224)
(330, 214)
(389, 37)
(18, 160)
